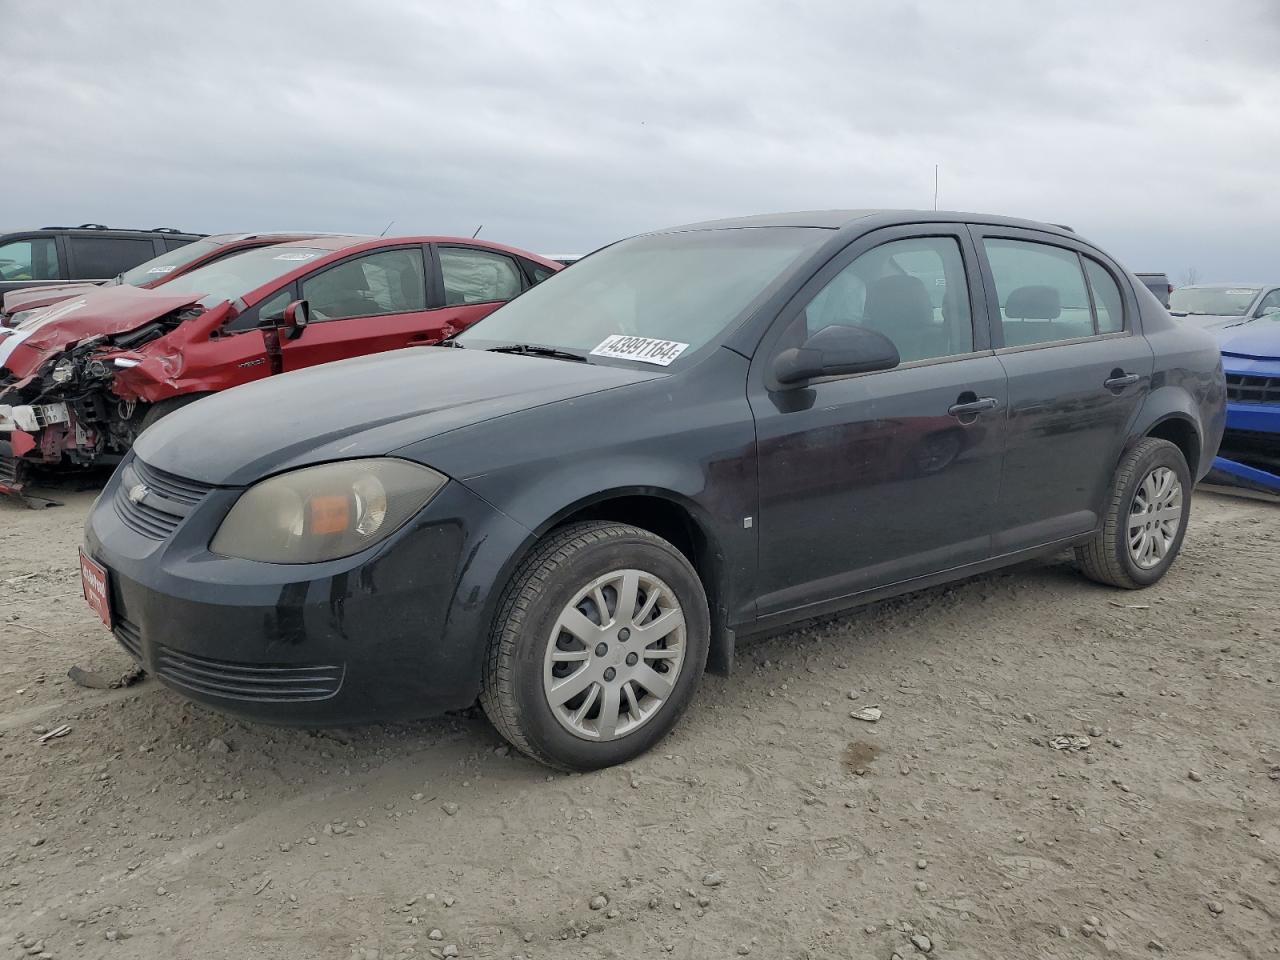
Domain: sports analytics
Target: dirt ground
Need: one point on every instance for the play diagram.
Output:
(771, 823)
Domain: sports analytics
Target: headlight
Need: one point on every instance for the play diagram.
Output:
(63, 370)
(325, 512)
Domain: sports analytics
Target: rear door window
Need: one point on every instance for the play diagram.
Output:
(1041, 290)
(101, 258)
(392, 281)
(35, 258)
(477, 276)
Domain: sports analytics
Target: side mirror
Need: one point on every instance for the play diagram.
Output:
(1272, 312)
(836, 351)
(296, 317)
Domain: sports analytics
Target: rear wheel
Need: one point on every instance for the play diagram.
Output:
(1146, 518)
(599, 643)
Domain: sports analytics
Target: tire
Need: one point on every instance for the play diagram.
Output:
(165, 407)
(533, 658)
(1110, 556)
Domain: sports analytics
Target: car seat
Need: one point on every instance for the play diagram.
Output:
(899, 307)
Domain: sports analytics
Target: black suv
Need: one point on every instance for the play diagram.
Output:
(90, 252)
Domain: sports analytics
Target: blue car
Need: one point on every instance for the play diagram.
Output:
(1250, 451)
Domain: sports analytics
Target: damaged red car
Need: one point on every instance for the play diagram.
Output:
(19, 304)
(81, 379)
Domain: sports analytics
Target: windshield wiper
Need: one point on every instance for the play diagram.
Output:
(533, 350)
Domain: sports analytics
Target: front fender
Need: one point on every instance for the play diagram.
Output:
(687, 439)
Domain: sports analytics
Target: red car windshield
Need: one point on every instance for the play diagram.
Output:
(241, 273)
(153, 271)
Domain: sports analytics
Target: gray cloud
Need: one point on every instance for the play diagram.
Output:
(560, 126)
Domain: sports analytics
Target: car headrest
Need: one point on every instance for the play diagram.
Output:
(1034, 303)
(897, 303)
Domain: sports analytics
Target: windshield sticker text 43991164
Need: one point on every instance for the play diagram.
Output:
(621, 346)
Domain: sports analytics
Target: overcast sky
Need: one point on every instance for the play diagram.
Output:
(1152, 128)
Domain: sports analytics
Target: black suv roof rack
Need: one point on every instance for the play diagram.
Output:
(103, 226)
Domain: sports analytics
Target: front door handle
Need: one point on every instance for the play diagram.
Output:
(1118, 381)
(972, 408)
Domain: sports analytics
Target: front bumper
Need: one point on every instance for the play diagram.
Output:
(396, 632)
(1250, 451)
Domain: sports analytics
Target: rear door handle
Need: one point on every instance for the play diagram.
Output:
(1119, 383)
(973, 407)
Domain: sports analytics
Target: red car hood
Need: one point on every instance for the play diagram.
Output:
(29, 298)
(104, 310)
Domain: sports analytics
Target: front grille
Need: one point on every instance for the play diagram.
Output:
(1246, 388)
(243, 681)
(130, 638)
(1252, 448)
(152, 502)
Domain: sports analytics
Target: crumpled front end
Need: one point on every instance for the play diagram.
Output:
(84, 402)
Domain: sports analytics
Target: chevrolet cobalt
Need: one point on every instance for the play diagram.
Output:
(579, 504)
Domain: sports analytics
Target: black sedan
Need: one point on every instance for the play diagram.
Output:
(693, 436)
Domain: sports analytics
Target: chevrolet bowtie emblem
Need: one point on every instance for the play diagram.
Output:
(138, 492)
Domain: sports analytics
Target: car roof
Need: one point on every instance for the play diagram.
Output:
(350, 243)
(274, 236)
(837, 219)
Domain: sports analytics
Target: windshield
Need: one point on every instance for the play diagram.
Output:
(155, 271)
(683, 289)
(241, 273)
(1213, 301)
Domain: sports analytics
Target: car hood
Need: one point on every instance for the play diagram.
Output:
(29, 298)
(1257, 339)
(1207, 321)
(363, 407)
(102, 310)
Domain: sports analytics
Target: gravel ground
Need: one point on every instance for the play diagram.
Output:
(771, 823)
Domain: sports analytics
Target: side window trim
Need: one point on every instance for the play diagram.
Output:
(435, 277)
(980, 232)
(976, 288)
(1088, 292)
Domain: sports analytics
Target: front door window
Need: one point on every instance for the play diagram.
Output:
(912, 291)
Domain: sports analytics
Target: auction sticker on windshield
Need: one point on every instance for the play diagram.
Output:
(621, 346)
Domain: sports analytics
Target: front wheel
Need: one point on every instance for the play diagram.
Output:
(163, 408)
(1146, 518)
(598, 645)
